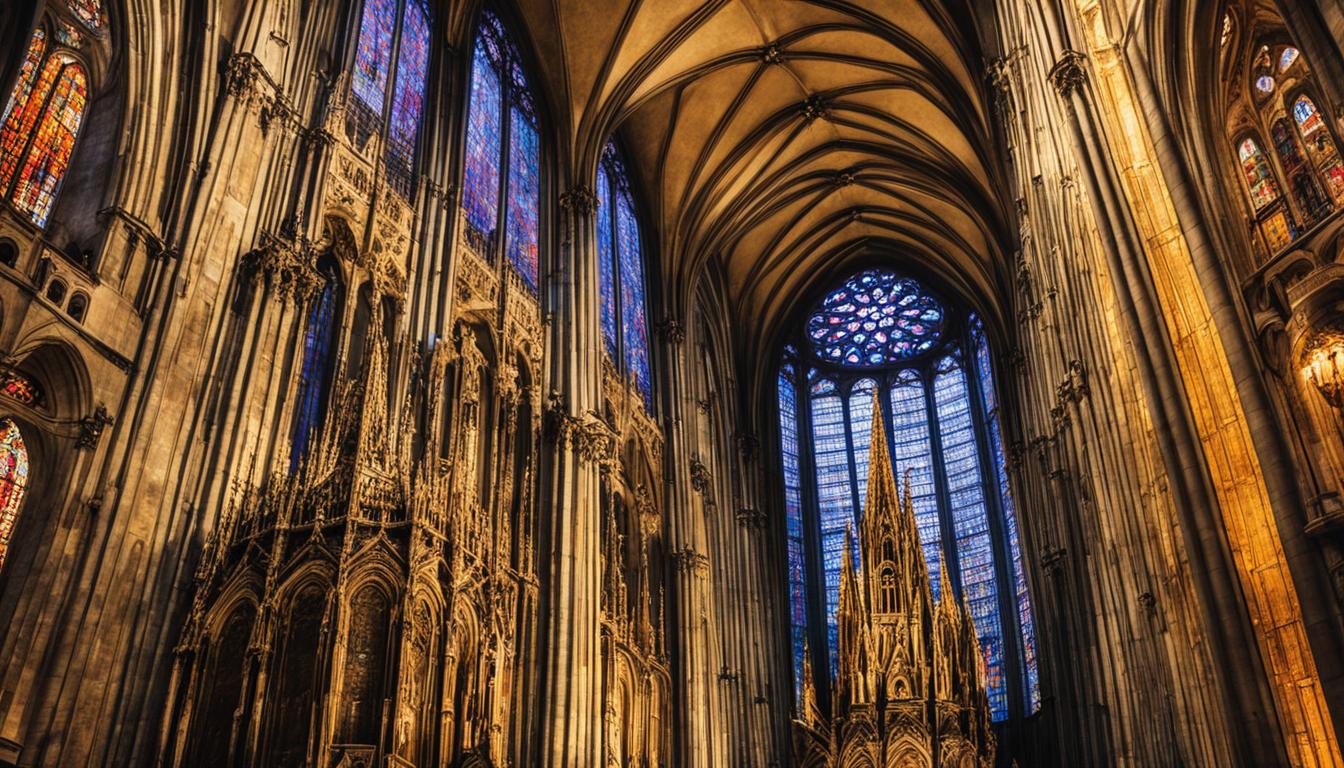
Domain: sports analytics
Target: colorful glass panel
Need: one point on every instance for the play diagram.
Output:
(1277, 230)
(25, 106)
(830, 452)
(634, 323)
(1308, 119)
(875, 318)
(912, 453)
(48, 155)
(89, 11)
(793, 516)
(408, 95)
(970, 522)
(19, 387)
(373, 55)
(1288, 58)
(1264, 84)
(1259, 178)
(606, 273)
(1025, 623)
(315, 372)
(23, 85)
(861, 439)
(13, 481)
(480, 183)
(524, 197)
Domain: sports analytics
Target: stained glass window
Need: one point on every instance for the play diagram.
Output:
(1259, 178)
(625, 326)
(13, 481)
(606, 259)
(912, 452)
(1308, 119)
(408, 96)
(875, 318)
(17, 386)
(1288, 58)
(524, 194)
(793, 509)
(373, 54)
(89, 11)
(1264, 84)
(315, 373)
(480, 184)
(970, 521)
(1025, 623)
(41, 124)
(830, 453)
(943, 417)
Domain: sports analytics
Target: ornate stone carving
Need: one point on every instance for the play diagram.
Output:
(91, 428)
(1069, 73)
(581, 200)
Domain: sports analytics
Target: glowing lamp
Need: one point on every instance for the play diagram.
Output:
(1323, 365)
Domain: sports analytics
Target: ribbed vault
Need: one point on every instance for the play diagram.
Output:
(787, 138)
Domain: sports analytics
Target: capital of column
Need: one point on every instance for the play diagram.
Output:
(580, 200)
(1068, 74)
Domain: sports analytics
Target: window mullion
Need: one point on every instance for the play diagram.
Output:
(505, 152)
(818, 640)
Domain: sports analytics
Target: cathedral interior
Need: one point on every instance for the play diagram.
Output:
(634, 383)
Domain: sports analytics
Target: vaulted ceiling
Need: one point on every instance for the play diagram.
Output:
(779, 141)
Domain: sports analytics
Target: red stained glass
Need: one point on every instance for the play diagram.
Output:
(89, 11)
(13, 481)
(21, 388)
(48, 155)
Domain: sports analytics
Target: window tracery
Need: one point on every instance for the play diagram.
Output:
(390, 32)
(503, 151)
(940, 409)
(13, 482)
(40, 125)
(90, 12)
(621, 274)
(318, 356)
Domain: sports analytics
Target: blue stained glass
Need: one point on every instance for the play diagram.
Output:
(861, 438)
(315, 372)
(876, 318)
(374, 53)
(480, 183)
(606, 275)
(788, 431)
(912, 451)
(1026, 625)
(408, 97)
(970, 522)
(633, 318)
(524, 197)
(834, 495)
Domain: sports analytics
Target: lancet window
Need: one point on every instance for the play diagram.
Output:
(317, 357)
(41, 120)
(387, 83)
(501, 184)
(13, 482)
(883, 335)
(1286, 150)
(625, 327)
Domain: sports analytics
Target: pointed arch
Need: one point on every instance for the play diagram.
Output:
(13, 482)
(317, 358)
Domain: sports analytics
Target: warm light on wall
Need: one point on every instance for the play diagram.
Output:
(1323, 365)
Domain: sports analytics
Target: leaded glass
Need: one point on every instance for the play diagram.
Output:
(606, 274)
(89, 11)
(793, 516)
(1259, 178)
(830, 450)
(373, 54)
(912, 453)
(59, 97)
(1308, 119)
(13, 481)
(485, 122)
(861, 437)
(23, 86)
(524, 196)
(634, 325)
(875, 318)
(970, 523)
(315, 373)
(1026, 625)
(1288, 58)
(1264, 84)
(408, 96)
(17, 386)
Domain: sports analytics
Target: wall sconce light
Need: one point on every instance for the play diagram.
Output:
(1323, 365)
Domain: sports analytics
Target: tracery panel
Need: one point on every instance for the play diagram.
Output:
(13, 482)
(793, 516)
(913, 453)
(316, 363)
(830, 448)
